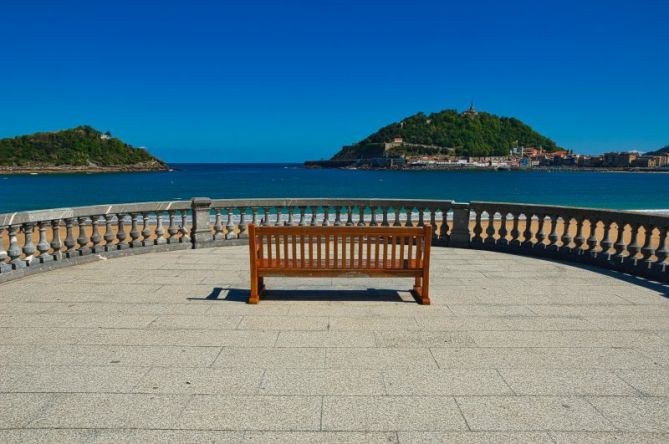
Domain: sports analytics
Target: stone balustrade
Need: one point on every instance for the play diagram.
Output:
(35, 241)
(626, 241)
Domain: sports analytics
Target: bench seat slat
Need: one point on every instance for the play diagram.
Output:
(356, 264)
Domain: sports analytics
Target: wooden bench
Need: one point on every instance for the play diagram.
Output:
(340, 251)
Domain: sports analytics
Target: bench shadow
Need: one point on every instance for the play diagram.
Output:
(368, 295)
(661, 288)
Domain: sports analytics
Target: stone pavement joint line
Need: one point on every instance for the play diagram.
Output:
(513, 349)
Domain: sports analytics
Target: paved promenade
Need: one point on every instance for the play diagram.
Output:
(163, 348)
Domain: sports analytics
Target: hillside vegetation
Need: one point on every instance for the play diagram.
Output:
(476, 134)
(663, 150)
(80, 146)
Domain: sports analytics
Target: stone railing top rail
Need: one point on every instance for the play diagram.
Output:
(139, 207)
(93, 210)
(321, 201)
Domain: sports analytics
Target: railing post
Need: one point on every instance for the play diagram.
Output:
(459, 235)
(200, 230)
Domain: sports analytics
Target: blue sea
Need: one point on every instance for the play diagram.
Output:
(616, 190)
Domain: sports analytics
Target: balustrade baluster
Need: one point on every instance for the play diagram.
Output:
(337, 221)
(69, 238)
(56, 244)
(326, 215)
(490, 229)
(579, 239)
(527, 233)
(433, 222)
(440, 232)
(291, 210)
(592, 239)
(478, 229)
(349, 216)
(218, 226)
(109, 233)
(3, 252)
(146, 232)
(14, 251)
(606, 243)
(634, 248)
(160, 232)
(409, 214)
(397, 222)
(243, 230)
(28, 245)
(361, 215)
(229, 226)
(254, 215)
(421, 217)
(566, 236)
(42, 245)
(134, 231)
(265, 216)
(663, 251)
(95, 235)
(620, 245)
(553, 235)
(541, 235)
(384, 221)
(82, 239)
(515, 232)
(121, 244)
(372, 220)
(647, 251)
(172, 228)
(314, 215)
(502, 230)
(279, 215)
(185, 238)
(303, 212)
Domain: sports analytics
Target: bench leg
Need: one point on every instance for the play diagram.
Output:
(425, 290)
(420, 291)
(255, 289)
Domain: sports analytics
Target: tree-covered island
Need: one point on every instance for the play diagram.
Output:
(80, 149)
(446, 134)
(454, 140)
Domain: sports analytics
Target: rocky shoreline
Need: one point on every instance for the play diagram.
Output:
(75, 169)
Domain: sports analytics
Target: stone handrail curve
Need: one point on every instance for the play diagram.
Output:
(631, 242)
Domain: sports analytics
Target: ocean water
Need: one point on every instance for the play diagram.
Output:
(617, 190)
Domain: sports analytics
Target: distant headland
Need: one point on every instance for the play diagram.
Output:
(471, 139)
(78, 150)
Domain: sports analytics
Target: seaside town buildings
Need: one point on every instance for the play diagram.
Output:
(529, 157)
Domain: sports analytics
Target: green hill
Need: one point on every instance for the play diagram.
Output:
(469, 134)
(82, 146)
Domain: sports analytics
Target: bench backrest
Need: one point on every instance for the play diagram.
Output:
(341, 247)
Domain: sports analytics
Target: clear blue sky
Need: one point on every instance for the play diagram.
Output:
(228, 81)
